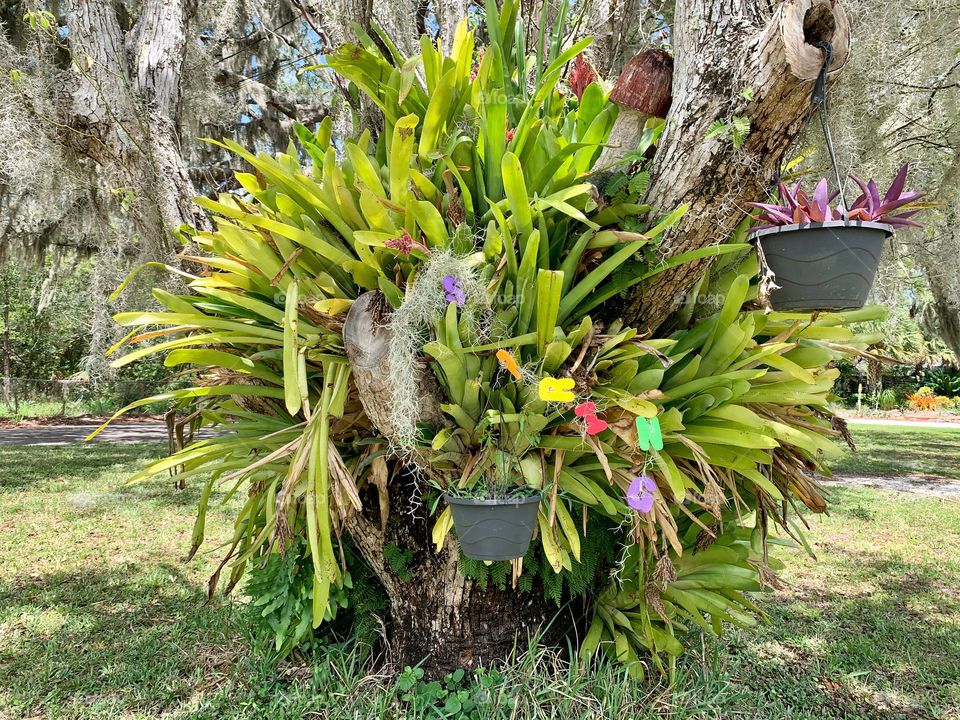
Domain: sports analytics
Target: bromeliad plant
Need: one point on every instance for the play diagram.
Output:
(820, 257)
(391, 308)
(895, 208)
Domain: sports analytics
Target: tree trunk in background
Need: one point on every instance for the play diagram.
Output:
(332, 19)
(722, 48)
(449, 14)
(945, 286)
(619, 30)
(335, 17)
(397, 18)
(122, 106)
(7, 390)
(938, 258)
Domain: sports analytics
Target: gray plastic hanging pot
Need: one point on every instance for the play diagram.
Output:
(823, 266)
(495, 529)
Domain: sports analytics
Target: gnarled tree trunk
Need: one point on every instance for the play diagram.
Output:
(438, 617)
(724, 54)
(620, 28)
(944, 277)
(122, 106)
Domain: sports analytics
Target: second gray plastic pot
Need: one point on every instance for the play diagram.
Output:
(823, 266)
(496, 529)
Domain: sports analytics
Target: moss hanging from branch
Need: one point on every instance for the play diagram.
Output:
(410, 326)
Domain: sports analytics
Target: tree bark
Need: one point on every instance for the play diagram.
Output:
(7, 391)
(618, 30)
(122, 109)
(331, 20)
(945, 286)
(723, 49)
(944, 277)
(449, 14)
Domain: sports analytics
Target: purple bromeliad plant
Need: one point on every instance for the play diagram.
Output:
(895, 208)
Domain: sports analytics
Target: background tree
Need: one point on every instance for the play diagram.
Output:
(899, 98)
(105, 104)
(46, 321)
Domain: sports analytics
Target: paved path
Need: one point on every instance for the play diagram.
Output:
(918, 424)
(70, 434)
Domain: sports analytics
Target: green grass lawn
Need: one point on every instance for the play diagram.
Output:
(101, 618)
(28, 409)
(902, 451)
(90, 406)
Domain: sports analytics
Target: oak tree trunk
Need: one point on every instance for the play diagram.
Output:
(438, 616)
(620, 29)
(732, 59)
(945, 287)
(121, 108)
(7, 391)
(944, 277)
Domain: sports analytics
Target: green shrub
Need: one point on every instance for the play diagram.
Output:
(888, 399)
(944, 381)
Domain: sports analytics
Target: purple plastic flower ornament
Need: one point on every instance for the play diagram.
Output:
(640, 494)
(454, 290)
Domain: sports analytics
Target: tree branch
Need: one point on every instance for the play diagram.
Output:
(266, 96)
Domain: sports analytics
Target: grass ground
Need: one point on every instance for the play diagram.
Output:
(903, 450)
(100, 618)
(49, 408)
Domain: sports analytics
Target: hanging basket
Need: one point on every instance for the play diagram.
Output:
(495, 529)
(822, 266)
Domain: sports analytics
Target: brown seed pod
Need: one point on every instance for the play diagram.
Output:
(646, 83)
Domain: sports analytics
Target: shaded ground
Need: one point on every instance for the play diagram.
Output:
(100, 618)
(871, 629)
(37, 434)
